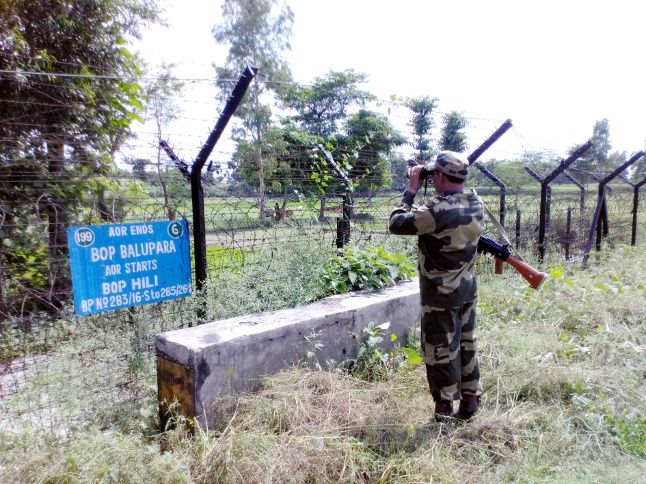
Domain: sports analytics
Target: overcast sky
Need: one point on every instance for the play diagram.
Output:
(553, 67)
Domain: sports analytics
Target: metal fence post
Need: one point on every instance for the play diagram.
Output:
(343, 223)
(475, 154)
(544, 206)
(499, 184)
(489, 141)
(195, 176)
(568, 230)
(542, 226)
(600, 217)
(517, 229)
(633, 237)
(580, 187)
(601, 226)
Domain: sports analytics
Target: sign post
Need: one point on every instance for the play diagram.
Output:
(122, 265)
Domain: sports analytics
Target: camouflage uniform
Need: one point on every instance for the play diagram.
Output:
(448, 226)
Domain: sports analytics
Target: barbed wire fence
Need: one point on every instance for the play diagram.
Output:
(42, 199)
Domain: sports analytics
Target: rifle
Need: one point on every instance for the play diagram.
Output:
(502, 253)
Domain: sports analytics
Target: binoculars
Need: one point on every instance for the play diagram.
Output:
(423, 175)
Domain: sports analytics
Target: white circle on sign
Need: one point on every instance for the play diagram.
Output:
(84, 237)
(175, 229)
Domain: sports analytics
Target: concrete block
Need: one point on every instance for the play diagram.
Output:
(197, 365)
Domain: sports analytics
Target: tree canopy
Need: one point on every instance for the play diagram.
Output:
(258, 31)
(70, 75)
(373, 138)
(422, 124)
(68, 94)
(452, 137)
(597, 158)
(332, 111)
(328, 112)
(320, 107)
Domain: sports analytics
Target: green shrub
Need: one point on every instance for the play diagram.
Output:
(371, 268)
(629, 432)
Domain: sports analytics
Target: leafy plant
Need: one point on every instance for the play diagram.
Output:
(629, 432)
(371, 268)
(371, 362)
(557, 274)
(405, 356)
(412, 356)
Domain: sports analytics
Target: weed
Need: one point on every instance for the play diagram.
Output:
(270, 279)
(95, 456)
(314, 345)
(374, 362)
(371, 362)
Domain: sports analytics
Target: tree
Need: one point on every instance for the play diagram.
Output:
(373, 138)
(398, 170)
(258, 31)
(246, 155)
(162, 108)
(422, 124)
(320, 111)
(68, 99)
(513, 174)
(321, 106)
(452, 137)
(139, 168)
(596, 159)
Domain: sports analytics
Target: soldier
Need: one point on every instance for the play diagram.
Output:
(448, 227)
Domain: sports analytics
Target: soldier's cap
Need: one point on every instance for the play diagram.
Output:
(451, 163)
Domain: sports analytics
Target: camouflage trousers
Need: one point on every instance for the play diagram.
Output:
(450, 351)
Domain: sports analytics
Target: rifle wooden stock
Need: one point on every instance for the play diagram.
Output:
(531, 275)
(502, 254)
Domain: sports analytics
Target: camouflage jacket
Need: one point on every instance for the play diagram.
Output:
(448, 227)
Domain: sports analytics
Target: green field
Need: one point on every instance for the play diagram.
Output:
(235, 222)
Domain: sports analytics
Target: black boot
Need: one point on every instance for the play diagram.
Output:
(469, 406)
(443, 410)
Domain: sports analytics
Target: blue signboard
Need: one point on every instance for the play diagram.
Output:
(121, 265)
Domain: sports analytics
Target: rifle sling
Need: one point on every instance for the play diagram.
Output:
(501, 231)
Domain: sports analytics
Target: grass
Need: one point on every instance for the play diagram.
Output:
(560, 404)
(564, 401)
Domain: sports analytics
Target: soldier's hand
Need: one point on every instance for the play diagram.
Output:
(414, 182)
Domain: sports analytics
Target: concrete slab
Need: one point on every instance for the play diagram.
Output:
(232, 354)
